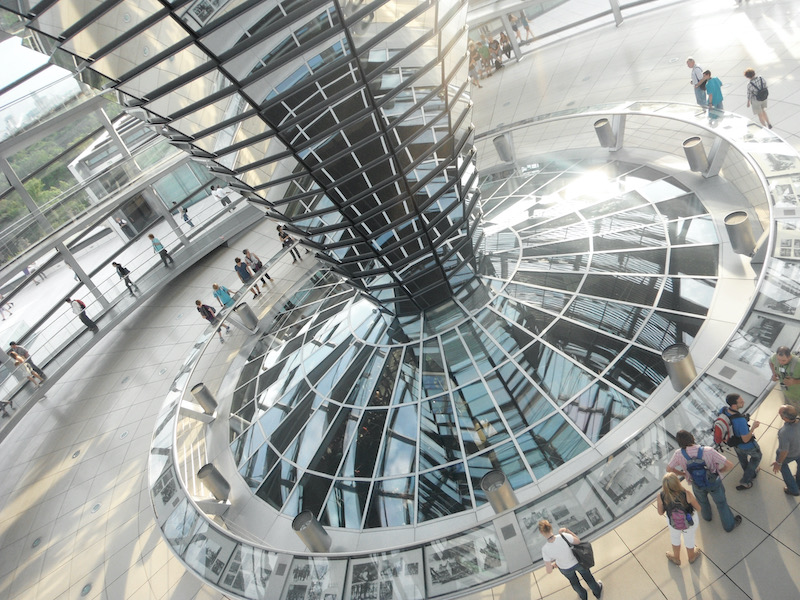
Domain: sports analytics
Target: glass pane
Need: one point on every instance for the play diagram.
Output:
(392, 503)
(551, 444)
(439, 437)
(443, 492)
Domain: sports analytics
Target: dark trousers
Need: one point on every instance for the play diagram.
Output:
(129, 284)
(165, 256)
(749, 459)
(717, 493)
(572, 575)
(36, 369)
(87, 321)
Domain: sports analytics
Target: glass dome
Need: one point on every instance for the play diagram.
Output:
(588, 269)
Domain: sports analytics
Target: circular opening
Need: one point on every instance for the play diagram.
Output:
(692, 142)
(205, 471)
(302, 520)
(736, 218)
(492, 481)
(675, 353)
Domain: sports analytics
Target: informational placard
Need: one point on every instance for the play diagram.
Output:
(209, 552)
(165, 493)
(180, 526)
(578, 507)
(248, 572)
(464, 561)
(315, 579)
(388, 577)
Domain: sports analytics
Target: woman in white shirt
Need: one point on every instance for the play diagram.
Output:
(557, 553)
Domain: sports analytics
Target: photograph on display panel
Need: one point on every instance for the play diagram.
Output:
(315, 579)
(780, 292)
(787, 237)
(388, 577)
(744, 352)
(248, 571)
(777, 164)
(180, 526)
(457, 563)
(578, 507)
(628, 478)
(763, 330)
(783, 195)
(165, 493)
(209, 552)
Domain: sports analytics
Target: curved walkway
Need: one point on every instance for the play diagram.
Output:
(71, 344)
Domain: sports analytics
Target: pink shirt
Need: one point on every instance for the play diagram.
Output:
(711, 457)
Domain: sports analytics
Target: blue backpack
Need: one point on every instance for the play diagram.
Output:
(698, 470)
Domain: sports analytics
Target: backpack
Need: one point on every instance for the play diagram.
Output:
(723, 429)
(762, 93)
(698, 470)
(679, 513)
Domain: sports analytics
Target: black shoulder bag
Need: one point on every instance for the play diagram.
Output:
(583, 553)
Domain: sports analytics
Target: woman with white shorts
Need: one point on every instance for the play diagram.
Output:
(682, 509)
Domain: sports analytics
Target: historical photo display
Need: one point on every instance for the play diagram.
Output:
(248, 571)
(209, 552)
(387, 577)
(460, 562)
(577, 508)
(315, 579)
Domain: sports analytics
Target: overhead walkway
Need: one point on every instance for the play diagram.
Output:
(60, 339)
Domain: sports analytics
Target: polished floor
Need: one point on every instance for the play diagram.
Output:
(75, 513)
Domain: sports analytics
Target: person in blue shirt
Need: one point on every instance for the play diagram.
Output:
(714, 92)
(159, 249)
(743, 440)
(223, 295)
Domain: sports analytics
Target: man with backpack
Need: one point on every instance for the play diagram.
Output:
(79, 308)
(702, 467)
(698, 83)
(757, 93)
(733, 428)
(210, 315)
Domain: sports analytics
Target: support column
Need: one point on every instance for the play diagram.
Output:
(85, 279)
(16, 183)
(716, 157)
(155, 202)
(617, 12)
(109, 127)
